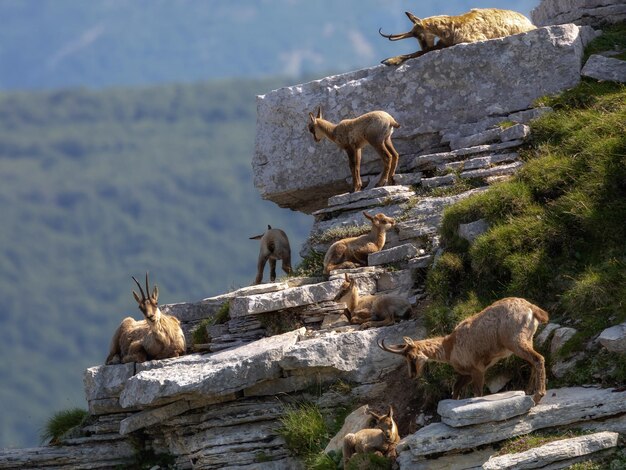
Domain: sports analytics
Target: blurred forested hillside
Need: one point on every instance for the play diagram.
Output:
(60, 43)
(98, 186)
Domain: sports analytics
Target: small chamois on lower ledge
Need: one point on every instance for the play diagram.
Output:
(382, 439)
(353, 252)
(158, 336)
(479, 24)
(372, 310)
(374, 128)
(505, 327)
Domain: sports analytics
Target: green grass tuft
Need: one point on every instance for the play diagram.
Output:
(200, 335)
(368, 462)
(312, 265)
(613, 38)
(304, 429)
(61, 423)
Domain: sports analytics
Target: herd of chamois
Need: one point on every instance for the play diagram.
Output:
(506, 327)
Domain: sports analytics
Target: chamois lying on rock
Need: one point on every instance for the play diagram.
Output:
(505, 327)
(479, 24)
(374, 128)
(274, 246)
(372, 310)
(381, 440)
(159, 336)
(352, 252)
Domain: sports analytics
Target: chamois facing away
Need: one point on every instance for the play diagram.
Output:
(159, 336)
(505, 327)
(274, 246)
(374, 128)
(372, 310)
(381, 440)
(479, 24)
(352, 252)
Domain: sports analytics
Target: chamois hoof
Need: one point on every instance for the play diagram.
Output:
(392, 61)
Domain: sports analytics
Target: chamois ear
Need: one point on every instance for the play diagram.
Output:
(269, 227)
(368, 216)
(319, 112)
(137, 297)
(155, 293)
(414, 19)
(390, 414)
(378, 417)
(256, 237)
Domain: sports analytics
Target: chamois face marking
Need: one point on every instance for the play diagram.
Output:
(149, 306)
(313, 129)
(380, 220)
(386, 424)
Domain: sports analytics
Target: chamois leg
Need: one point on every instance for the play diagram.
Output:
(360, 316)
(395, 157)
(386, 158)
(272, 270)
(354, 170)
(357, 167)
(478, 382)
(349, 443)
(373, 324)
(525, 351)
(136, 353)
(398, 60)
(259, 268)
(459, 385)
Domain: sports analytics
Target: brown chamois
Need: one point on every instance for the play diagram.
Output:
(372, 310)
(159, 336)
(274, 246)
(479, 24)
(381, 440)
(352, 252)
(374, 128)
(505, 327)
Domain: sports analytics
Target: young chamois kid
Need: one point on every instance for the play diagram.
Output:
(352, 252)
(382, 439)
(479, 24)
(372, 310)
(505, 327)
(374, 128)
(158, 336)
(274, 247)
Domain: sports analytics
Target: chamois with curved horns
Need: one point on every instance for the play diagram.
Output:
(381, 440)
(505, 327)
(479, 24)
(372, 310)
(158, 336)
(374, 128)
(274, 247)
(352, 252)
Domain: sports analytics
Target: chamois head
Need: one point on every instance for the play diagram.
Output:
(415, 358)
(148, 305)
(386, 424)
(425, 38)
(313, 128)
(380, 220)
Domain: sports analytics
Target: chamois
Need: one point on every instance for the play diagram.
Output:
(381, 440)
(374, 128)
(479, 24)
(352, 252)
(274, 246)
(159, 336)
(505, 327)
(372, 310)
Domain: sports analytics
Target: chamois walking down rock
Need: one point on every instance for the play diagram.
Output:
(352, 252)
(159, 336)
(381, 440)
(505, 327)
(274, 247)
(374, 128)
(479, 24)
(372, 310)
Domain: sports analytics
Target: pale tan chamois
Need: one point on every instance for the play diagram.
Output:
(374, 128)
(274, 247)
(479, 24)
(381, 440)
(352, 252)
(159, 336)
(372, 310)
(505, 327)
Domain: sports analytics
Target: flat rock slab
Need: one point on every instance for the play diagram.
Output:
(557, 451)
(103, 382)
(373, 193)
(614, 338)
(287, 298)
(559, 407)
(594, 13)
(605, 69)
(393, 255)
(496, 407)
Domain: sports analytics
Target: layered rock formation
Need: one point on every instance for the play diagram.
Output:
(596, 13)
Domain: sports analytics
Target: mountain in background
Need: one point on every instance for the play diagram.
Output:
(64, 43)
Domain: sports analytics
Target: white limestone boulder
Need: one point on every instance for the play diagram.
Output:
(605, 69)
(614, 338)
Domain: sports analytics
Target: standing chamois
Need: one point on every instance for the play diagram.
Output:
(372, 310)
(274, 246)
(381, 440)
(479, 24)
(505, 327)
(352, 252)
(374, 128)
(159, 336)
